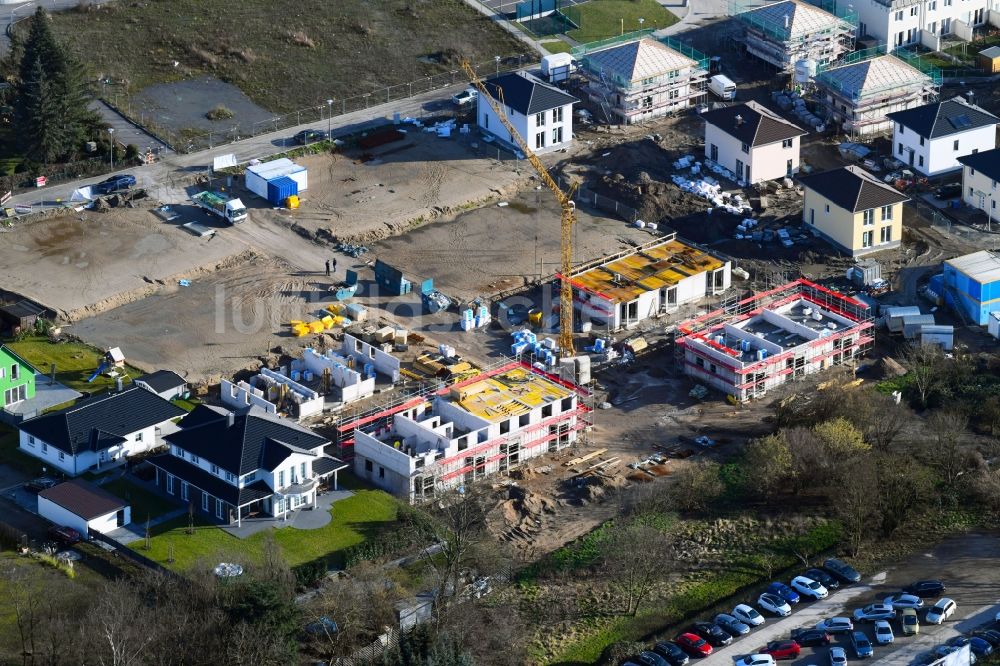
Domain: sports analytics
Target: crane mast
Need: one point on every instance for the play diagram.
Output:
(566, 204)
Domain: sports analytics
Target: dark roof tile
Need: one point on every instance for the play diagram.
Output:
(943, 118)
(163, 380)
(988, 161)
(752, 124)
(527, 95)
(852, 188)
(83, 498)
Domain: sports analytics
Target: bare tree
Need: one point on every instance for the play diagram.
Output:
(926, 370)
(120, 625)
(24, 600)
(695, 486)
(635, 558)
(902, 484)
(944, 450)
(883, 420)
(852, 500)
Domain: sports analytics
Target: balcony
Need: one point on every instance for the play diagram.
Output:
(298, 487)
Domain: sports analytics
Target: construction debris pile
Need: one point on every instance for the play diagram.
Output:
(709, 188)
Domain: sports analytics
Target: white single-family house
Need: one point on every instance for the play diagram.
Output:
(541, 113)
(980, 178)
(931, 138)
(752, 142)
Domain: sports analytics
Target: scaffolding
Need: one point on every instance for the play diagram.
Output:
(784, 33)
(637, 77)
(867, 85)
(704, 356)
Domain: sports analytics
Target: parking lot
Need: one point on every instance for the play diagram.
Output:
(965, 563)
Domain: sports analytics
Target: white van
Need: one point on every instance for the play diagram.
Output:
(722, 87)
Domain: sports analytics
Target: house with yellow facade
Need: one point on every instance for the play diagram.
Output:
(853, 210)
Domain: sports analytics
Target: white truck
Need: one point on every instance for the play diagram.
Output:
(722, 87)
(231, 210)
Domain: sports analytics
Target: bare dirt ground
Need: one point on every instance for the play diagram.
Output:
(81, 263)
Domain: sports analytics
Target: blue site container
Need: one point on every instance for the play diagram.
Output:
(280, 189)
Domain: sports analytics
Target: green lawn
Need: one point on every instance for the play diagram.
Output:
(354, 520)
(74, 362)
(557, 46)
(600, 19)
(144, 503)
(186, 405)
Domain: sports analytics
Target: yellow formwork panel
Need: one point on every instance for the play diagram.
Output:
(509, 394)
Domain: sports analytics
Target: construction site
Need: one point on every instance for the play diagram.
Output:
(793, 33)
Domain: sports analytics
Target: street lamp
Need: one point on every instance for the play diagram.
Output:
(641, 21)
(111, 135)
(497, 58)
(329, 117)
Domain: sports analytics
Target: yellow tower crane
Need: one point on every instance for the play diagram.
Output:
(565, 202)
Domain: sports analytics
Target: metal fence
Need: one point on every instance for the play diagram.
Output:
(985, 240)
(122, 550)
(145, 117)
(586, 197)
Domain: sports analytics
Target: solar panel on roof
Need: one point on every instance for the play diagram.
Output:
(960, 122)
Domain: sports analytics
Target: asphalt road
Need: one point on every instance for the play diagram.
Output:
(11, 13)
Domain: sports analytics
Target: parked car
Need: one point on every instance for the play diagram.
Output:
(64, 535)
(842, 570)
(648, 658)
(711, 632)
(784, 649)
(835, 625)
(308, 136)
(862, 646)
(902, 600)
(772, 603)
(756, 660)
(949, 191)
(979, 646)
(114, 184)
(810, 588)
(873, 612)
(838, 656)
(941, 611)
(748, 615)
(467, 96)
(811, 637)
(783, 591)
(694, 645)
(732, 625)
(672, 653)
(942, 651)
(40, 484)
(925, 588)
(883, 633)
(991, 636)
(324, 626)
(823, 578)
(909, 621)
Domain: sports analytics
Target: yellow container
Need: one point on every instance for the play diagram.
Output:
(316, 326)
(327, 322)
(335, 308)
(535, 318)
(292, 201)
(300, 329)
(295, 322)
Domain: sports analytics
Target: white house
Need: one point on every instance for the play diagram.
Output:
(164, 383)
(980, 175)
(905, 22)
(235, 466)
(84, 507)
(541, 113)
(931, 138)
(752, 142)
(99, 431)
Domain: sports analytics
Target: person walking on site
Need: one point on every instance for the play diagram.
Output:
(328, 268)
(334, 264)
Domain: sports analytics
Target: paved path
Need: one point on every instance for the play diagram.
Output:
(694, 14)
(137, 531)
(11, 13)
(125, 131)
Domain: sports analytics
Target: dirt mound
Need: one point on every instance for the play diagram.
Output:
(523, 512)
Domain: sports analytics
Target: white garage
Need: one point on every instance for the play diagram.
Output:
(83, 506)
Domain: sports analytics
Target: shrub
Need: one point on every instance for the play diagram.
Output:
(220, 112)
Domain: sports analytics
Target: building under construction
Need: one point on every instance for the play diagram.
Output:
(656, 278)
(455, 435)
(774, 337)
(790, 32)
(637, 77)
(857, 94)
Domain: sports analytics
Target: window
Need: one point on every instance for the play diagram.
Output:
(45, 447)
(179, 452)
(970, 194)
(504, 427)
(302, 469)
(869, 217)
(31, 440)
(381, 472)
(3, 372)
(486, 120)
(955, 146)
(921, 141)
(250, 477)
(204, 501)
(647, 102)
(828, 208)
(138, 436)
(62, 456)
(899, 15)
(170, 484)
(931, 6)
(902, 130)
(557, 135)
(674, 94)
(546, 411)
(866, 238)
(886, 213)
(218, 508)
(567, 404)
(901, 149)
(913, 10)
(368, 465)
(524, 420)
(230, 477)
(557, 115)
(540, 140)
(184, 490)
(994, 184)
(745, 148)
(194, 459)
(462, 443)
(15, 371)
(281, 479)
(972, 172)
(886, 235)
(540, 119)
(788, 143)
(215, 469)
(920, 160)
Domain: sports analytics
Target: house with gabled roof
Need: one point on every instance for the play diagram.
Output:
(98, 432)
(753, 142)
(931, 138)
(853, 210)
(786, 32)
(17, 378)
(232, 467)
(981, 183)
(643, 78)
(541, 113)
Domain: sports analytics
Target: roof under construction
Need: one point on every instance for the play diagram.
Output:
(791, 19)
(624, 279)
(638, 60)
(870, 76)
(511, 393)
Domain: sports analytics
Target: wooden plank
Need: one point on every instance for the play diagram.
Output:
(581, 459)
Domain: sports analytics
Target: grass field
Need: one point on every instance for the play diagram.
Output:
(284, 57)
(354, 520)
(74, 362)
(144, 503)
(600, 19)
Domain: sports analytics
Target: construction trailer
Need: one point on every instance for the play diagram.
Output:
(858, 92)
(657, 278)
(457, 434)
(787, 33)
(774, 337)
(637, 77)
